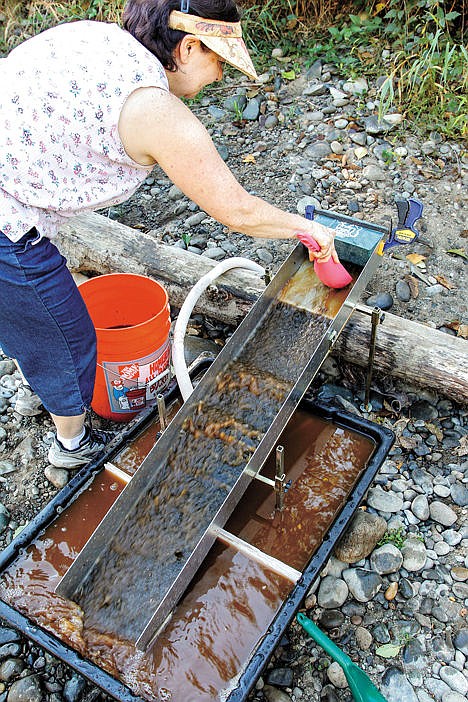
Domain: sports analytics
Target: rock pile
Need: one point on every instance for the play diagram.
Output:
(318, 140)
(395, 594)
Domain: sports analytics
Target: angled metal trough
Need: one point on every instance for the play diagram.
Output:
(125, 577)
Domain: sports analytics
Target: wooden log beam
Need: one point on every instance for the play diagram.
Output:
(408, 350)
(93, 243)
(411, 351)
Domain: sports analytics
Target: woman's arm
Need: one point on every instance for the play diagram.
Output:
(156, 127)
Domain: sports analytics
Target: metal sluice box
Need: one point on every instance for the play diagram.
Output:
(139, 561)
(194, 532)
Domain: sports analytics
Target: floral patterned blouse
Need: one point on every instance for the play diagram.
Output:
(60, 101)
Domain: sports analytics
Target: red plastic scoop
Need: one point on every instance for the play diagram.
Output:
(332, 274)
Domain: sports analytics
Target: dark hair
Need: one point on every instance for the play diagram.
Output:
(147, 21)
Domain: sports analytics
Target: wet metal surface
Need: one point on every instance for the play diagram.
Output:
(145, 556)
(305, 291)
(138, 563)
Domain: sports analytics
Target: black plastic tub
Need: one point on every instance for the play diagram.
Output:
(382, 439)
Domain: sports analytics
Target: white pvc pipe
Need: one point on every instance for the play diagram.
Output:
(178, 357)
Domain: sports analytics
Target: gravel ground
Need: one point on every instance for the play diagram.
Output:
(398, 608)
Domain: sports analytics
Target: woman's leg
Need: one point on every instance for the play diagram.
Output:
(45, 325)
(69, 427)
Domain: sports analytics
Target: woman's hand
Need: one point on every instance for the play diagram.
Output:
(324, 237)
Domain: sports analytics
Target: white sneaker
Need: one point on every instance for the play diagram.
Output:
(91, 446)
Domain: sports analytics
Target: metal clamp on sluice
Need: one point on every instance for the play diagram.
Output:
(377, 317)
(280, 477)
(162, 411)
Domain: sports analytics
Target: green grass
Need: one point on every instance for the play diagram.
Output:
(431, 85)
(396, 537)
(20, 19)
(425, 64)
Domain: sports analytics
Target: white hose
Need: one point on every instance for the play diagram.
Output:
(178, 356)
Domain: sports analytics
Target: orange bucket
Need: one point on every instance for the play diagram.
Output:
(131, 316)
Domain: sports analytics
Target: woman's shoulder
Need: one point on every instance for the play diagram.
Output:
(97, 35)
(67, 38)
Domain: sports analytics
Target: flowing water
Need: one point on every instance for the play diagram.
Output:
(229, 605)
(154, 543)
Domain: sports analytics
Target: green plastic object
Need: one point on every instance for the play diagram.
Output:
(361, 686)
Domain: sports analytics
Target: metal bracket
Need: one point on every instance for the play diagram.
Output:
(117, 472)
(332, 337)
(280, 477)
(377, 317)
(162, 412)
(279, 484)
(261, 478)
(368, 311)
(254, 553)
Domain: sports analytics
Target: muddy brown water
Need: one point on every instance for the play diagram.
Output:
(149, 550)
(229, 605)
(147, 553)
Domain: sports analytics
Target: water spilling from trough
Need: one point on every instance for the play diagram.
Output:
(231, 601)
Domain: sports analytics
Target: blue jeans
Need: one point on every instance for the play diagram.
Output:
(44, 324)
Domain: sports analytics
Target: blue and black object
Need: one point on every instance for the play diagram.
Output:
(355, 240)
(409, 211)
